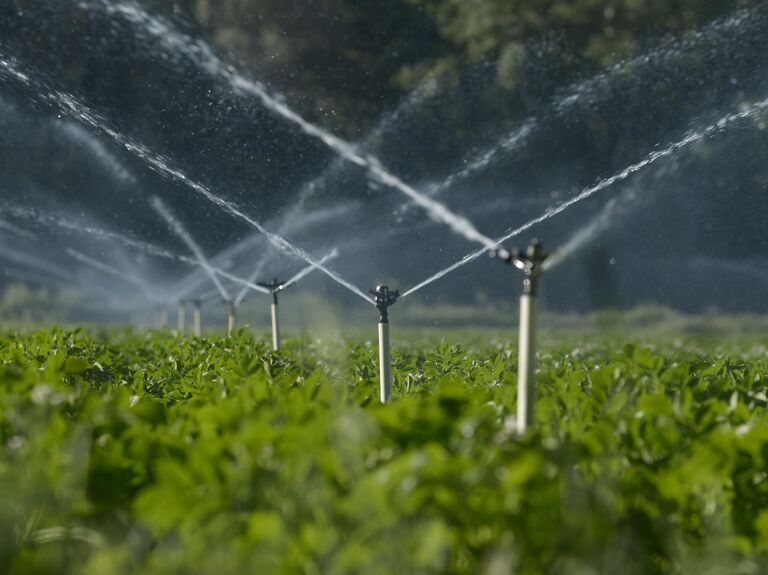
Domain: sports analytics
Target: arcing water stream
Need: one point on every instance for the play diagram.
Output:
(590, 91)
(101, 234)
(288, 283)
(310, 268)
(71, 106)
(298, 222)
(252, 278)
(748, 112)
(186, 46)
(421, 94)
(203, 56)
(96, 148)
(115, 273)
(17, 231)
(180, 231)
(583, 236)
(28, 260)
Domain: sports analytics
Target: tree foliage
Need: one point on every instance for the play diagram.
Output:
(388, 42)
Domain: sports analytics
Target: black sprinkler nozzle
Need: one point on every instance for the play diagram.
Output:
(529, 262)
(384, 298)
(274, 287)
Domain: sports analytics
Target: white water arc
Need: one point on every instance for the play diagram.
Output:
(96, 148)
(193, 281)
(115, 273)
(289, 282)
(31, 261)
(748, 112)
(583, 236)
(17, 231)
(253, 277)
(71, 106)
(589, 91)
(203, 56)
(179, 229)
(421, 94)
(507, 144)
(415, 100)
(48, 220)
(310, 268)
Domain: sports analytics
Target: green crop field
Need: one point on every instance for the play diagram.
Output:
(146, 453)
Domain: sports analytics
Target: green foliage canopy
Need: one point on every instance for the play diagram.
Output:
(153, 454)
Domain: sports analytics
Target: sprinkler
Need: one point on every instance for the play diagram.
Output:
(232, 317)
(163, 317)
(384, 298)
(274, 287)
(530, 263)
(197, 317)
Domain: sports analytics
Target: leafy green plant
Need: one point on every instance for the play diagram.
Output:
(147, 453)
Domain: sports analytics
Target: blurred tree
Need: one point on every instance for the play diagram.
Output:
(596, 31)
(340, 60)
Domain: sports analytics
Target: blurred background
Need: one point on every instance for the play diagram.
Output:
(500, 109)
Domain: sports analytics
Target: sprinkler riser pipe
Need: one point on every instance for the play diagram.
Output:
(385, 365)
(275, 325)
(526, 393)
(231, 320)
(198, 320)
(163, 318)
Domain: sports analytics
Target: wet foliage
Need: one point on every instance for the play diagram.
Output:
(149, 453)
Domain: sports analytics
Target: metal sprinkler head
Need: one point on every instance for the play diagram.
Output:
(230, 303)
(274, 287)
(383, 299)
(529, 262)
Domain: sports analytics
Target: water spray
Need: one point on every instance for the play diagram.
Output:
(384, 298)
(275, 287)
(178, 228)
(16, 230)
(691, 138)
(32, 262)
(69, 105)
(530, 263)
(205, 58)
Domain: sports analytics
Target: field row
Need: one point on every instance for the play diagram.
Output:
(153, 454)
